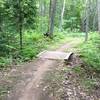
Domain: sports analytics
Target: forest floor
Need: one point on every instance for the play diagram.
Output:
(44, 79)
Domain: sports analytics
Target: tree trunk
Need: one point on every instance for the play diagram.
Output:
(95, 22)
(87, 20)
(20, 25)
(52, 10)
(21, 36)
(98, 6)
(62, 15)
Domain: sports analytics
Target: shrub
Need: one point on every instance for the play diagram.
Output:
(90, 52)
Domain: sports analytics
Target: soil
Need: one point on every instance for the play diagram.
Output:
(64, 83)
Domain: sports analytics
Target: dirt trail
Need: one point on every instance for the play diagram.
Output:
(31, 75)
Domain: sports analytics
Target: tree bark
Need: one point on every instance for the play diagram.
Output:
(20, 25)
(87, 20)
(62, 15)
(52, 10)
(98, 7)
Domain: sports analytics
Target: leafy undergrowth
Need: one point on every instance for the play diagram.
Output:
(90, 52)
(37, 42)
(89, 71)
(33, 43)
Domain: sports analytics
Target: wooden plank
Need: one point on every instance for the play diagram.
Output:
(68, 56)
(55, 55)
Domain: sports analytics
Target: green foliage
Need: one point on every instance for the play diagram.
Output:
(4, 61)
(35, 42)
(91, 52)
(15, 16)
(73, 14)
(26, 9)
(6, 43)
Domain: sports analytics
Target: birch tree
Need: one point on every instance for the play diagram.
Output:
(62, 15)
